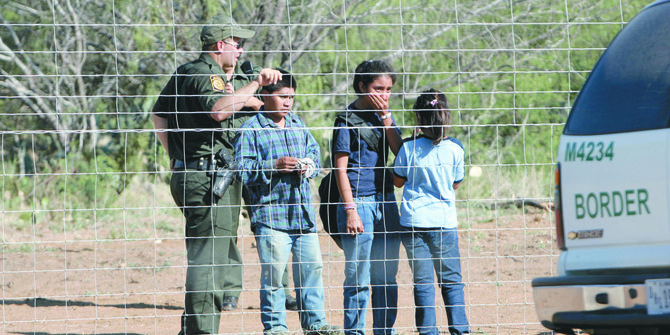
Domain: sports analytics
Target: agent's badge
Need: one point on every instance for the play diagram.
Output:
(217, 83)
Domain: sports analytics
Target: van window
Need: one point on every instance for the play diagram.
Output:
(628, 90)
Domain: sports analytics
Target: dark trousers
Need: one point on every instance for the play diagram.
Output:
(214, 261)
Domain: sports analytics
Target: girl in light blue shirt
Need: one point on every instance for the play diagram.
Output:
(431, 167)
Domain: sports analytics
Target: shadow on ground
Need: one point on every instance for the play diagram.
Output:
(42, 302)
(42, 333)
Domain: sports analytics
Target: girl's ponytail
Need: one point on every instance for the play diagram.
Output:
(433, 115)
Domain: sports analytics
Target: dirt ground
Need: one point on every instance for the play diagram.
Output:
(95, 281)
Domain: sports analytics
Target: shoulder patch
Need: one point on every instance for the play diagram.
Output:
(217, 83)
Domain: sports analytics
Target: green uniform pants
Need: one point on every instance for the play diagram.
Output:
(214, 261)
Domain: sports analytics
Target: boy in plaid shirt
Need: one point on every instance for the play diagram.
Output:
(277, 156)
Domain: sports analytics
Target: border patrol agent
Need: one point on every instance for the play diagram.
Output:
(197, 114)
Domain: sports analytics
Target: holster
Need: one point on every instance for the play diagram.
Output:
(226, 167)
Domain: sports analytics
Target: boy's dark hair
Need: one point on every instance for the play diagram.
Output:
(370, 70)
(433, 114)
(287, 80)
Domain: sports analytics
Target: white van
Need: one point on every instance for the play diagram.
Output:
(613, 191)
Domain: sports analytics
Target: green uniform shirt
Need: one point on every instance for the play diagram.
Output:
(186, 102)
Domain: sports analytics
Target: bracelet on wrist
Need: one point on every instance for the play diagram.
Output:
(349, 206)
(385, 116)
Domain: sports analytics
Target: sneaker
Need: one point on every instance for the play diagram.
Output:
(229, 303)
(291, 303)
(326, 330)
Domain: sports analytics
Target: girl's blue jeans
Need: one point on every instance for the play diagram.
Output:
(436, 249)
(371, 261)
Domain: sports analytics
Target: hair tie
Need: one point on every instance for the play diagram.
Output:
(433, 103)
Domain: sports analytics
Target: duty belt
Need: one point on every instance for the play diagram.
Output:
(201, 164)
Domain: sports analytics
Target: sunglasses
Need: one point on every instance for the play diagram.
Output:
(235, 44)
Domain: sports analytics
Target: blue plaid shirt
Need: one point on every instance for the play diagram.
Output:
(280, 201)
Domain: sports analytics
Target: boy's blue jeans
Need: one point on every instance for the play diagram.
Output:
(274, 247)
(371, 259)
(437, 249)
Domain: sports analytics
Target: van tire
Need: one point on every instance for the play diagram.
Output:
(632, 331)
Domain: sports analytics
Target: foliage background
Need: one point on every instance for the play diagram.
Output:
(79, 78)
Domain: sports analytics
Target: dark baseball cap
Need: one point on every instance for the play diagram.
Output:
(221, 27)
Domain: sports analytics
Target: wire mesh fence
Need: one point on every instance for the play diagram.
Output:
(92, 240)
